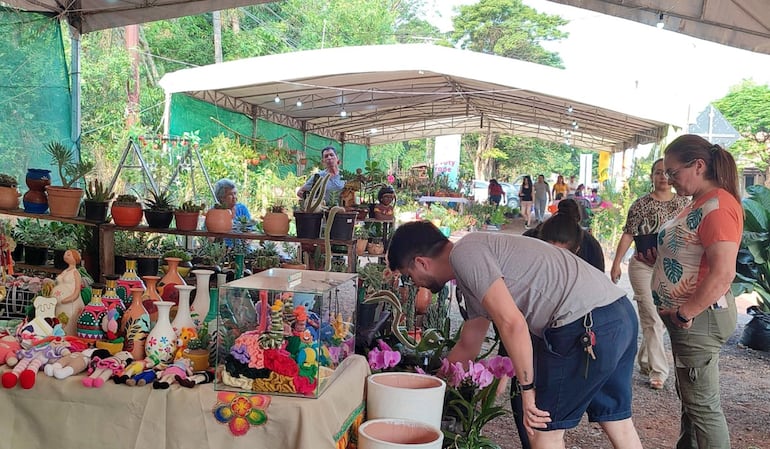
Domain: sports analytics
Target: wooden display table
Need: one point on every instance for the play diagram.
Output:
(65, 414)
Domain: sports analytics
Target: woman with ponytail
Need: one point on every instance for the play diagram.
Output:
(694, 267)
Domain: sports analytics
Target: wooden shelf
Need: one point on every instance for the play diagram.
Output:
(228, 235)
(18, 266)
(23, 213)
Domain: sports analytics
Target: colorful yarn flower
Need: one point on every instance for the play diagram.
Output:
(240, 411)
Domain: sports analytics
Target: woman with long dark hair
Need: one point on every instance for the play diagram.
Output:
(525, 200)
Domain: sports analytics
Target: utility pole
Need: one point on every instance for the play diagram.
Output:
(217, 37)
(132, 86)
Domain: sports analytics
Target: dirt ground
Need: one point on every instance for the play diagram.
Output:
(745, 388)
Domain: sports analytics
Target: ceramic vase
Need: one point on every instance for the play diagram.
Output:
(89, 326)
(183, 318)
(389, 433)
(413, 396)
(115, 307)
(200, 306)
(128, 280)
(151, 296)
(35, 200)
(166, 285)
(161, 341)
(135, 325)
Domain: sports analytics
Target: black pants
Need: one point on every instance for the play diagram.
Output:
(517, 406)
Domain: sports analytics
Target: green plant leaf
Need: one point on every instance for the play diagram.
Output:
(756, 217)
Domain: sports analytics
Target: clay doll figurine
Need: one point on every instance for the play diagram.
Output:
(197, 378)
(73, 363)
(383, 210)
(101, 369)
(69, 304)
(181, 369)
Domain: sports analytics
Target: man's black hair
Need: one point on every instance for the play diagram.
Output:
(413, 239)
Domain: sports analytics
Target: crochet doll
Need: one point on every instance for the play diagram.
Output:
(8, 348)
(30, 360)
(101, 369)
(197, 378)
(142, 379)
(135, 368)
(73, 363)
(181, 368)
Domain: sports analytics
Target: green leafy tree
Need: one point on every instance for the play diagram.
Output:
(747, 108)
(505, 28)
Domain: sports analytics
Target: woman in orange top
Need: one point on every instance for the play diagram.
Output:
(559, 191)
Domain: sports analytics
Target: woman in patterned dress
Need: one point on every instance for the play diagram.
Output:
(645, 216)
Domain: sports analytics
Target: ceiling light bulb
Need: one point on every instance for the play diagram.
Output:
(299, 103)
(660, 24)
(343, 113)
(569, 109)
(277, 99)
(373, 131)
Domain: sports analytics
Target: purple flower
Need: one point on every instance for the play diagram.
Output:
(383, 357)
(500, 366)
(480, 375)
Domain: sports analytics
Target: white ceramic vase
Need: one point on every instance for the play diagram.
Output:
(413, 396)
(388, 433)
(202, 301)
(161, 341)
(183, 318)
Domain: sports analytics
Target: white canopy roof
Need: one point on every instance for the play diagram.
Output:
(400, 92)
(738, 23)
(92, 15)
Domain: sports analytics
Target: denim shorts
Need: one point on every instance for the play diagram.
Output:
(567, 389)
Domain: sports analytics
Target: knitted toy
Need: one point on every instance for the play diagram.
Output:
(101, 369)
(73, 363)
(197, 378)
(142, 379)
(8, 348)
(136, 367)
(185, 335)
(180, 369)
(30, 360)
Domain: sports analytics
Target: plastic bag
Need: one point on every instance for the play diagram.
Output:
(756, 334)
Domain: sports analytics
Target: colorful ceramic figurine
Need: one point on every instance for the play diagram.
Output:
(386, 198)
(69, 303)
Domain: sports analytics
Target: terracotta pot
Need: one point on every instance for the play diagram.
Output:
(398, 434)
(422, 300)
(128, 216)
(9, 198)
(35, 200)
(276, 224)
(361, 246)
(64, 202)
(186, 221)
(375, 249)
(219, 220)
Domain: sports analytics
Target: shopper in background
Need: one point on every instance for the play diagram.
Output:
(559, 189)
(691, 280)
(495, 192)
(332, 167)
(542, 197)
(645, 216)
(525, 200)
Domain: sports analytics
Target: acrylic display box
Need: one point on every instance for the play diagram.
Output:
(285, 331)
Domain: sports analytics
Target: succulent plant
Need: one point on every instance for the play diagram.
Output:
(189, 206)
(96, 191)
(70, 170)
(126, 200)
(160, 201)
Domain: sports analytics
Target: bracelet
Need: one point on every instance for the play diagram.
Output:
(681, 317)
(530, 386)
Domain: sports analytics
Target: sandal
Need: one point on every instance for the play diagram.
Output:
(656, 384)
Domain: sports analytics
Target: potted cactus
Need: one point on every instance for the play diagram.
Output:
(276, 222)
(9, 194)
(186, 216)
(160, 211)
(310, 213)
(97, 201)
(126, 211)
(64, 200)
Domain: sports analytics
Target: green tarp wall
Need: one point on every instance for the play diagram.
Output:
(34, 91)
(190, 114)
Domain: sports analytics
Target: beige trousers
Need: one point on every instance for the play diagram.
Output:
(652, 356)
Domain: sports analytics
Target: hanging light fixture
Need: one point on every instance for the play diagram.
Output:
(575, 124)
(299, 102)
(660, 24)
(277, 99)
(569, 109)
(343, 112)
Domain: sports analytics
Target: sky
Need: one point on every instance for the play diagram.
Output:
(662, 68)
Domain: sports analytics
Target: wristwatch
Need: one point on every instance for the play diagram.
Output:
(681, 317)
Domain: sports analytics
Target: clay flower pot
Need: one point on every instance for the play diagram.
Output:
(276, 224)
(219, 220)
(186, 221)
(390, 433)
(418, 397)
(127, 215)
(64, 201)
(422, 300)
(9, 198)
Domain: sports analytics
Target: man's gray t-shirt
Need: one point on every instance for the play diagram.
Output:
(550, 285)
(541, 190)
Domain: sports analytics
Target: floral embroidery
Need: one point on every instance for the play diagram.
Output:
(240, 411)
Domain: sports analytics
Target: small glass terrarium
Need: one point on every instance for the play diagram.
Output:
(285, 331)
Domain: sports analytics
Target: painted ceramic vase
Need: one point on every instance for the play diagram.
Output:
(128, 280)
(161, 341)
(115, 307)
(202, 302)
(151, 296)
(183, 318)
(166, 285)
(135, 325)
(89, 325)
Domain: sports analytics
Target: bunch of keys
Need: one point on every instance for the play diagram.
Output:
(588, 341)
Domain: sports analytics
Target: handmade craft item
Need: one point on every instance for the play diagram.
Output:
(101, 369)
(179, 369)
(73, 363)
(69, 303)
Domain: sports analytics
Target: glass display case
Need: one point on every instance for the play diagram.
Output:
(285, 331)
